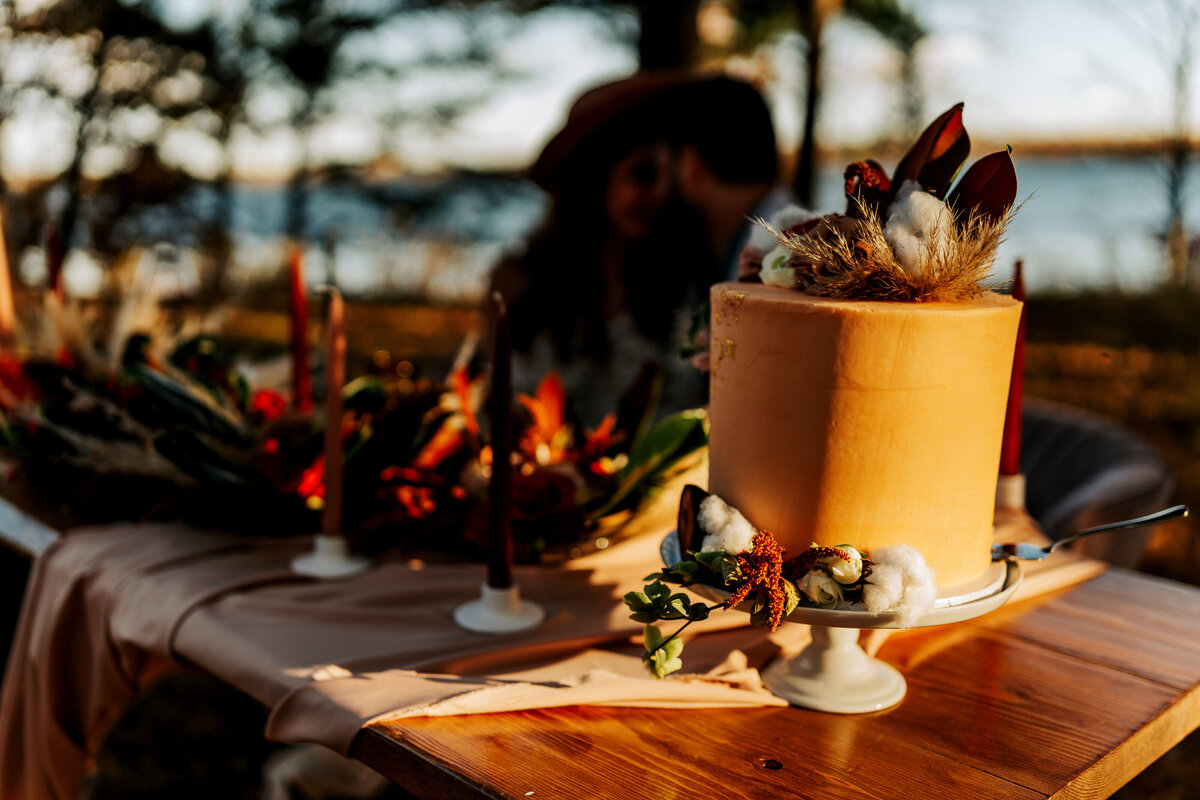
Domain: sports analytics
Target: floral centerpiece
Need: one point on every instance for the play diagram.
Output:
(735, 557)
(150, 426)
(572, 487)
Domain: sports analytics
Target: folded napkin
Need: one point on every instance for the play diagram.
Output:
(332, 711)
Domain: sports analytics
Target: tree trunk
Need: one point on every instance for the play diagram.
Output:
(809, 14)
(74, 175)
(668, 37)
(1177, 157)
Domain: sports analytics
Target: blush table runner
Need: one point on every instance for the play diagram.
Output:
(109, 609)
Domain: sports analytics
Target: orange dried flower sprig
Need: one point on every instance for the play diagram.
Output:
(762, 569)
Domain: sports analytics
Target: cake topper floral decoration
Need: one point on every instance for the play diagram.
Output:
(750, 565)
(908, 237)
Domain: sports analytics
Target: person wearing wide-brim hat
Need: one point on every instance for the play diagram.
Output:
(621, 257)
(606, 119)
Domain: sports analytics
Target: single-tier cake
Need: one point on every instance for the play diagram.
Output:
(868, 423)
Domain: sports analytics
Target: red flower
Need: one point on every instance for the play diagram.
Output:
(14, 382)
(312, 482)
(267, 405)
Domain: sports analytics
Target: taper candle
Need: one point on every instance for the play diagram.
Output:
(8, 314)
(335, 375)
(1010, 452)
(500, 486)
(301, 376)
(54, 261)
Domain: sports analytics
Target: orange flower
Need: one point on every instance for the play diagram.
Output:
(460, 385)
(445, 442)
(597, 442)
(762, 567)
(549, 437)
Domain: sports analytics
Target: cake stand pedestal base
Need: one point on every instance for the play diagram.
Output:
(834, 674)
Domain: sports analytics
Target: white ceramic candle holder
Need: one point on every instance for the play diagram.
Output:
(499, 611)
(330, 558)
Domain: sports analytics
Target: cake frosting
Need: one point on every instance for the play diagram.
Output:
(864, 422)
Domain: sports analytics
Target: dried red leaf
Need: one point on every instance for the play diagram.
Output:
(689, 509)
(988, 189)
(867, 186)
(937, 155)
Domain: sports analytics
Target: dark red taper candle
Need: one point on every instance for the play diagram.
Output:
(54, 260)
(500, 488)
(335, 378)
(301, 375)
(1010, 451)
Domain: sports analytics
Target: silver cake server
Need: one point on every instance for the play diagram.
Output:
(1031, 552)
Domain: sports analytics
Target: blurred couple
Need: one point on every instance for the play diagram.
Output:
(652, 181)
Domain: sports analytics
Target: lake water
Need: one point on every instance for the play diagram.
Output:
(1086, 222)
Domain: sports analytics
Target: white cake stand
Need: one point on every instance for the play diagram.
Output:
(833, 673)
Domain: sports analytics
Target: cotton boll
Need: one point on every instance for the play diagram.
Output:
(883, 589)
(775, 270)
(724, 526)
(917, 220)
(901, 582)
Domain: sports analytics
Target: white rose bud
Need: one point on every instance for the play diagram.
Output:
(821, 590)
(775, 270)
(844, 570)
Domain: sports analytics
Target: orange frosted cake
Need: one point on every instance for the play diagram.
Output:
(871, 423)
(859, 374)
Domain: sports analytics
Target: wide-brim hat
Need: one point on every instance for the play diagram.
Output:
(599, 113)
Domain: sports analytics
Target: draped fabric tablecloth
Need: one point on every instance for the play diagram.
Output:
(109, 609)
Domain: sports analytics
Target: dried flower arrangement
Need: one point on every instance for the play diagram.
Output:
(907, 237)
(170, 427)
(735, 557)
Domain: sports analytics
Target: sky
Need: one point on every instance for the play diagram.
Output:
(1026, 70)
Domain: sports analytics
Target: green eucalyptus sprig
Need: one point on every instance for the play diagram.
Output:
(658, 604)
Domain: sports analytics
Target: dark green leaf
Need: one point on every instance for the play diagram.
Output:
(663, 445)
(639, 403)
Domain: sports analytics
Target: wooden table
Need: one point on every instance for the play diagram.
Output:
(1068, 695)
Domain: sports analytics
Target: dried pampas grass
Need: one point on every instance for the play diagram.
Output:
(845, 258)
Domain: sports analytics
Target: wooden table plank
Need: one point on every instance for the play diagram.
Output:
(1067, 696)
(1146, 625)
(1037, 717)
(606, 753)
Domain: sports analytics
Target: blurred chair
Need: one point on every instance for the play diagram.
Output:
(1082, 470)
